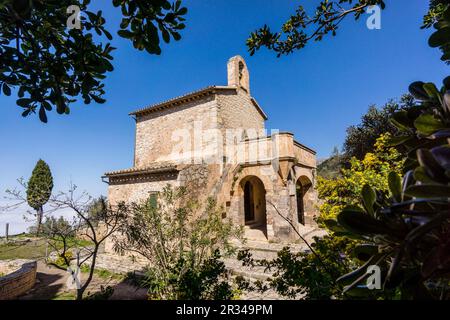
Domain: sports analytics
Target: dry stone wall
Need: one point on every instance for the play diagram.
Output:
(20, 277)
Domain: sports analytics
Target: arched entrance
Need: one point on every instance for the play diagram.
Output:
(249, 203)
(302, 187)
(254, 204)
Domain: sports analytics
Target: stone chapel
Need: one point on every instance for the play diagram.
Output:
(214, 142)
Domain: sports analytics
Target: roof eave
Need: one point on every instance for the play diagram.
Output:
(258, 107)
(139, 172)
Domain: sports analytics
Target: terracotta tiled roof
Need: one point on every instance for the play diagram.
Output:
(182, 99)
(154, 168)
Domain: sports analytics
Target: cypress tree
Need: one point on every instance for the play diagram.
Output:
(39, 190)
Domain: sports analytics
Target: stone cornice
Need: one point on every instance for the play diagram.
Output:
(302, 146)
(140, 177)
(162, 171)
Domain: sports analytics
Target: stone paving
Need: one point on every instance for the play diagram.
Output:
(118, 264)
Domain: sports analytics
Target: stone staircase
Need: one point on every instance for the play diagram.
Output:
(255, 232)
(262, 249)
(223, 178)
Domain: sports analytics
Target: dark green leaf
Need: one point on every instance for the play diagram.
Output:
(417, 91)
(26, 112)
(125, 34)
(398, 140)
(42, 115)
(23, 102)
(361, 223)
(369, 196)
(421, 175)
(401, 120)
(333, 225)
(439, 38)
(365, 251)
(429, 191)
(182, 11)
(395, 186)
(98, 99)
(166, 36)
(431, 166)
(446, 83)
(427, 124)
(6, 90)
(431, 90)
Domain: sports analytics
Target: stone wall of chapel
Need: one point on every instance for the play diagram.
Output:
(238, 111)
(156, 133)
(198, 179)
(136, 192)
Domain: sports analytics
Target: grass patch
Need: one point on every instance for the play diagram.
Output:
(23, 250)
(19, 248)
(65, 296)
(103, 273)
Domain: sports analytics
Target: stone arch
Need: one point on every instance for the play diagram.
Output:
(259, 172)
(302, 171)
(303, 188)
(253, 198)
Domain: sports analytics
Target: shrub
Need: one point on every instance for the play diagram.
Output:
(373, 170)
(182, 242)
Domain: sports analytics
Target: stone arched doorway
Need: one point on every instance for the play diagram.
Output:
(303, 186)
(254, 204)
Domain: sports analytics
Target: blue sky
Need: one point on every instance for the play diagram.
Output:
(315, 93)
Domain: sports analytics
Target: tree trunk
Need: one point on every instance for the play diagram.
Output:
(80, 294)
(91, 274)
(40, 213)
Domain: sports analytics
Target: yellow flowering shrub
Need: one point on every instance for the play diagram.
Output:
(373, 170)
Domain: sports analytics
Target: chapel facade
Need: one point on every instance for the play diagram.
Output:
(214, 142)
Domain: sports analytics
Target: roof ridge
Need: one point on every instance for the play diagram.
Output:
(167, 103)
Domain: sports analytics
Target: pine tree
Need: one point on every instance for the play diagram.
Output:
(39, 190)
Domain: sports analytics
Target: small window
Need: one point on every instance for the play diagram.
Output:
(153, 199)
(244, 136)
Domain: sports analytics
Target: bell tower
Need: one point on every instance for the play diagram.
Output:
(238, 75)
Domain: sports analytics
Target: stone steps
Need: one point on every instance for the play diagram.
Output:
(269, 251)
(254, 233)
